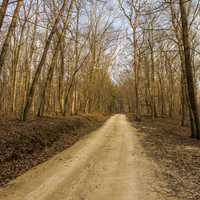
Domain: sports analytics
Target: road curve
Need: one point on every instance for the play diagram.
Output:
(108, 164)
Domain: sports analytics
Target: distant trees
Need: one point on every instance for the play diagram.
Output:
(168, 55)
(61, 57)
(55, 57)
(132, 13)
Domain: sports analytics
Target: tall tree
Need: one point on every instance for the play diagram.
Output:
(194, 117)
(5, 47)
(3, 9)
(31, 92)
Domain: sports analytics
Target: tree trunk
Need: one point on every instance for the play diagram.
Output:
(40, 65)
(11, 30)
(194, 116)
(52, 66)
(3, 9)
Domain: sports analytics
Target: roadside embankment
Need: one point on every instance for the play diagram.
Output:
(24, 145)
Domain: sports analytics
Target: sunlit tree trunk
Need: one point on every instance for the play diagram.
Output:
(3, 9)
(5, 46)
(32, 89)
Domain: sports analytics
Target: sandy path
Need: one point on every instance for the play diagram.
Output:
(109, 164)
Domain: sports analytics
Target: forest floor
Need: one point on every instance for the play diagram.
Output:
(177, 155)
(24, 145)
(120, 161)
(110, 163)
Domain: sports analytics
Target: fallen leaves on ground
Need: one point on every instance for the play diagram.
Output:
(27, 144)
(176, 154)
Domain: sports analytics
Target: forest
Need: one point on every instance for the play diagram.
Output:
(70, 63)
(61, 57)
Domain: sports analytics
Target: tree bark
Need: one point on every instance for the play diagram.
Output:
(40, 65)
(11, 30)
(3, 9)
(194, 116)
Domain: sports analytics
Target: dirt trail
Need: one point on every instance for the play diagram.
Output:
(109, 164)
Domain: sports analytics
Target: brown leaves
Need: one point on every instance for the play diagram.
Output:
(26, 144)
(177, 156)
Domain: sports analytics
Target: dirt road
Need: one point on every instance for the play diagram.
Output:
(109, 164)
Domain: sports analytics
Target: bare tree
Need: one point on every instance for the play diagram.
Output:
(41, 63)
(3, 9)
(194, 117)
(11, 30)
